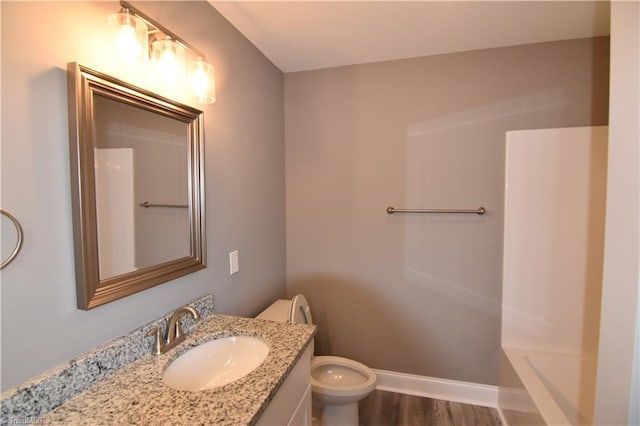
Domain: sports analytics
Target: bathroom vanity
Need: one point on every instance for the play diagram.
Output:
(276, 392)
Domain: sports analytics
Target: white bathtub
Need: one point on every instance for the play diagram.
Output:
(558, 387)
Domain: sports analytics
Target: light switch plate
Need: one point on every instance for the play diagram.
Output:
(234, 265)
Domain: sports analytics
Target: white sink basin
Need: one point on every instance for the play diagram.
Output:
(215, 363)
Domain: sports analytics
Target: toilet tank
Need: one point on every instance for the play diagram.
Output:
(277, 311)
(295, 310)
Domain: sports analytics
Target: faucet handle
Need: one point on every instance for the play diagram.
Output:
(178, 330)
(157, 343)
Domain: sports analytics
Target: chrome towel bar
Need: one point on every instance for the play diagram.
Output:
(19, 238)
(478, 211)
(147, 204)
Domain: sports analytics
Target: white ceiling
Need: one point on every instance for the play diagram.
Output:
(306, 35)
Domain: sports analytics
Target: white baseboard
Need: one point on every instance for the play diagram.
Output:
(431, 387)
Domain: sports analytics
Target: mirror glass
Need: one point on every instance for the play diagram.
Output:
(141, 187)
(138, 185)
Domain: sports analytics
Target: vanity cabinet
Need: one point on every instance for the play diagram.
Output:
(292, 403)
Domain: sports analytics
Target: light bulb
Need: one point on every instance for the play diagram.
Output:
(129, 38)
(200, 81)
(168, 59)
(203, 82)
(127, 44)
(168, 64)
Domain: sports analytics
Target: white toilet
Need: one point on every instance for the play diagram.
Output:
(336, 383)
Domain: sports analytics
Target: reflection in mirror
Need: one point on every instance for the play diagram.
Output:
(139, 157)
(138, 187)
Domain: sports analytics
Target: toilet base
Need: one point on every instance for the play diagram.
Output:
(339, 415)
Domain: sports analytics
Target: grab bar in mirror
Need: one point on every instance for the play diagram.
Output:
(147, 204)
(478, 211)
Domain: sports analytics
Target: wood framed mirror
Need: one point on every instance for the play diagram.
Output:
(137, 177)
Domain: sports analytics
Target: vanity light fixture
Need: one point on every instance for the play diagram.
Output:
(178, 66)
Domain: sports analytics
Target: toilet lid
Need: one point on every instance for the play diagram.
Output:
(300, 312)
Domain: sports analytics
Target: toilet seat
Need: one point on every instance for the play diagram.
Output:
(362, 379)
(299, 312)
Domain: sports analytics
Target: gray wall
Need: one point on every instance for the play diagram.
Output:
(41, 325)
(419, 294)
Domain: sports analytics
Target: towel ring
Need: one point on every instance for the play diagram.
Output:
(16, 250)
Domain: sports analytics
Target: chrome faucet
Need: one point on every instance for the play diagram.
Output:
(174, 333)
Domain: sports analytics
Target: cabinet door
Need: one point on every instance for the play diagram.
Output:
(292, 403)
(302, 415)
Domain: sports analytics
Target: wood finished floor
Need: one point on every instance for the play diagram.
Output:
(395, 409)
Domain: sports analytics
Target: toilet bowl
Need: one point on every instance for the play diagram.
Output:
(337, 384)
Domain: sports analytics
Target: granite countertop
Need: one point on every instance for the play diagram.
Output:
(136, 394)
